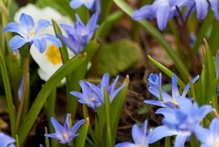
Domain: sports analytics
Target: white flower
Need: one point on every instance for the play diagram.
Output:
(50, 60)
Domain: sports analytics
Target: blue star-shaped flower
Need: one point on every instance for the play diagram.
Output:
(64, 133)
(180, 122)
(30, 34)
(167, 100)
(79, 35)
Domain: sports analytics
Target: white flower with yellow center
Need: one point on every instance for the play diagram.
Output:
(50, 60)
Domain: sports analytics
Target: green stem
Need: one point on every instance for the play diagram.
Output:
(8, 93)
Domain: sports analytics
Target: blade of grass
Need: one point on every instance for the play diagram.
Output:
(41, 98)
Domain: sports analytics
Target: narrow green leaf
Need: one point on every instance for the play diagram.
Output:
(201, 91)
(116, 108)
(178, 63)
(46, 138)
(63, 50)
(8, 94)
(105, 8)
(108, 120)
(214, 39)
(167, 142)
(203, 31)
(77, 75)
(80, 140)
(17, 141)
(41, 98)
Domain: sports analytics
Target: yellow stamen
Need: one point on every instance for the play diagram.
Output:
(53, 54)
(65, 136)
(32, 32)
(175, 102)
(92, 98)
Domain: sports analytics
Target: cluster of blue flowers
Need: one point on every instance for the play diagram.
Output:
(164, 10)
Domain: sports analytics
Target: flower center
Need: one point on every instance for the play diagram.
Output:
(32, 32)
(216, 143)
(65, 137)
(53, 54)
(175, 102)
(92, 98)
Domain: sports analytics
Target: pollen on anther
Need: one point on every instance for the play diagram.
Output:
(92, 98)
(65, 136)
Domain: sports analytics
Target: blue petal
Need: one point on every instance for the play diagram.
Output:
(74, 4)
(155, 102)
(40, 44)
(27, 21)
(52, 39)
(180, 140)
(15, 27)
(184, 104)
(76, 126)
(55, 136)
(144, 127)
(160, 132)
(201, 133)
(175, 91)
(92, 24)
(17, 42)
(89, 4)
(186, 89)
(203, 111)
(41, 24)
(57, 126)
(137, 135)
(68, 29)
(5, 140)
(214, 126)
(162, 15)
(214, 7)
(142, 13)
(66, 127)
(125, 144)
(201, 8)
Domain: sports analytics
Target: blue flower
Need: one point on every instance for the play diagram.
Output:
(79, 35)
(208, 137)
(74, 4)
(140, 137)
(162, 10)
(64, 133)
(154, 80)
(166, 100)
(6, 141)
(30, 34)
(87, 96)
(180, 122)
(105, 82)
(93, 95)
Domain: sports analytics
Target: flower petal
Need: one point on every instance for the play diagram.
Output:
(137, 135)
(76, 126)
(52, 39)
(15, 27)
(5, 140)
(57, 126)
(160, 132)
(74, 4)
(214, 7)
(214, 126)
(201, 8)
(180, 140)
(142, 13)
(162, 15)
(27, 21)
(40, 44)
(41, 24)
(126, 144)
(17, 42)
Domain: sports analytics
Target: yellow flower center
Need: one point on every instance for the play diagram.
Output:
(65, 136)
(53, 54)
(92, 98)
(175, 102)
(216, 144)
(32, 32)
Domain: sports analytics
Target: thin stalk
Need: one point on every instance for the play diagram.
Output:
(22, 110)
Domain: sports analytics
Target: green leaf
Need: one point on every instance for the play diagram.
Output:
(116, 57)
(107, 24)
(214, 39)
(151, 30)
(80, 140)
(41, 98)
